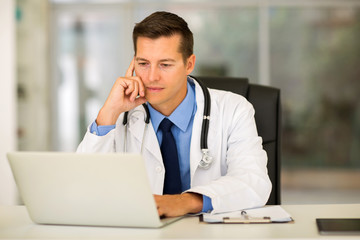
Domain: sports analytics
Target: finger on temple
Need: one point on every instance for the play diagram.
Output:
(130, 70)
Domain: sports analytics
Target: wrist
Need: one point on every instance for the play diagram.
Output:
(194, 202)
(106, 117)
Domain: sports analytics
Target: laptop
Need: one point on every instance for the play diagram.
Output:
(93, 189)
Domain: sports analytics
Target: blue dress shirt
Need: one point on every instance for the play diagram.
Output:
(183, 118)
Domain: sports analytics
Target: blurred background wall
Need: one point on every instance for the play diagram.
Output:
(8, 123)
(69, 53)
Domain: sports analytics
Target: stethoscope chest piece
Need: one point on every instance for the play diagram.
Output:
(206, 159)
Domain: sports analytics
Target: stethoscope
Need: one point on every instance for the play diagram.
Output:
(206, 159)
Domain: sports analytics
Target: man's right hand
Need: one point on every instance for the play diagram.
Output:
(127, 93)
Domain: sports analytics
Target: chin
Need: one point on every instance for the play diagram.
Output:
(153, 100)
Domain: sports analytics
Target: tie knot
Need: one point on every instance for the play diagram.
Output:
(165, 125)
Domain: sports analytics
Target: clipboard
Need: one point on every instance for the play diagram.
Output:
(267, 214)
(245, 218)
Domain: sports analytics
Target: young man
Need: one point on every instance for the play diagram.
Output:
(237, 177)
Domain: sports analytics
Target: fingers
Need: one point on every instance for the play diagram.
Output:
(159, 206)
(133, 88)
(140, 100)
(169, 205)
(141, 88)
(127, 93)
(178, 204)
(137, 89)
(130, 70)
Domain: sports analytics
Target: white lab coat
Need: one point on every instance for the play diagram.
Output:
(237, 178)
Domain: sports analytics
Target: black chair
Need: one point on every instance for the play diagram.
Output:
(266, 102)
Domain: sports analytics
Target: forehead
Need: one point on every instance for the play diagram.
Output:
(162, 47)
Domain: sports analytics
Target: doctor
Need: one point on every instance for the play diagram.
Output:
(237, 177)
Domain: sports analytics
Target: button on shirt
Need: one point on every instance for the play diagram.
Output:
(183, 118)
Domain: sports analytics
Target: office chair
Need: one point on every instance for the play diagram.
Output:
(266, 102)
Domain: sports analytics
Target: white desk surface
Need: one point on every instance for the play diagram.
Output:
(16, 224)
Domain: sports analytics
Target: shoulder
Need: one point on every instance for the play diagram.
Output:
(229, 101)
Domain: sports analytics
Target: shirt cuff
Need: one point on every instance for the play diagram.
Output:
(207, 205)
(101, 130)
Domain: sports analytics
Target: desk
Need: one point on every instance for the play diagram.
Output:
(15, 223)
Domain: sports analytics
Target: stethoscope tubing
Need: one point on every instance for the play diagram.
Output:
(206, 115)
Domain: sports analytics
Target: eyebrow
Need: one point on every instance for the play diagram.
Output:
(162, 60)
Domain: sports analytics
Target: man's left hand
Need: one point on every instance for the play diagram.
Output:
(178, 204)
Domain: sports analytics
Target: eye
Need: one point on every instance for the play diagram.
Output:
(143, 64)
(165, 65)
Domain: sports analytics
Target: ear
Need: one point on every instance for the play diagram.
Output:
(190, 64)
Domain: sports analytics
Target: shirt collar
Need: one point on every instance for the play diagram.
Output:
(181, 116)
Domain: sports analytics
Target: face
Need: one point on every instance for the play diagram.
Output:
(161, 67)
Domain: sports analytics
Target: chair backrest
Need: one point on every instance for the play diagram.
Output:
(267, 105)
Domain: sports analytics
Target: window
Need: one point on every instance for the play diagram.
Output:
(310, 50)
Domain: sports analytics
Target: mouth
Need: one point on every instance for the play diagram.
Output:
(154, 89)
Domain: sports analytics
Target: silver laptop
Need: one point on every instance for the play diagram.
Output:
(86, 189)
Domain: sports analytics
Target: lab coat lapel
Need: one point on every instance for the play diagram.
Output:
(136, 130)
(195, 152)
(151, 143)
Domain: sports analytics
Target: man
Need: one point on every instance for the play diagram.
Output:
(237, 177)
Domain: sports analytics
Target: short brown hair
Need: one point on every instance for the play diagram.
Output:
(165, 24)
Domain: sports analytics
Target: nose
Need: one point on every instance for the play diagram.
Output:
(153, 73)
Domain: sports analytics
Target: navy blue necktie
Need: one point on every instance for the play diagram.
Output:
(172, 183)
